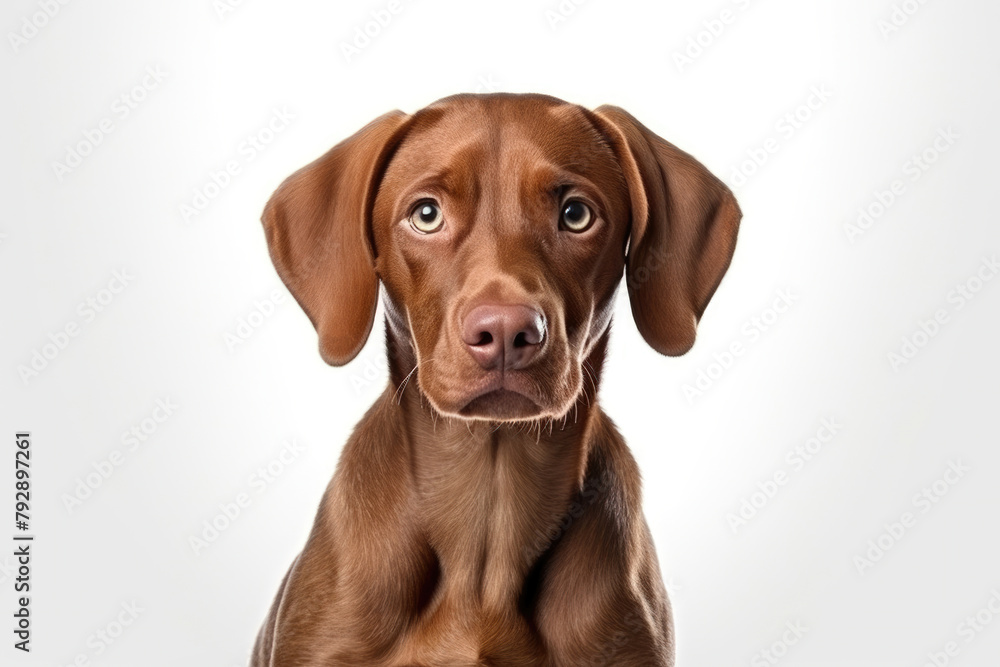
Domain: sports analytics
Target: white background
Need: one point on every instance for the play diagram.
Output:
(62, 237)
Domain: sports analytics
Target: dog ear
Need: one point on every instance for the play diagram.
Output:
(318, 224)
(684, 224)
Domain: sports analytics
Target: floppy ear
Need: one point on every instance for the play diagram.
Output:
(684, 223)
(317, 225)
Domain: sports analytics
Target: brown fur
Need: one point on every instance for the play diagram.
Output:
(467, 526)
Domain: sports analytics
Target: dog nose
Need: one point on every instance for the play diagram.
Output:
(506, 337)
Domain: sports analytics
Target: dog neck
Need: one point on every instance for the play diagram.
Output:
(491, 498)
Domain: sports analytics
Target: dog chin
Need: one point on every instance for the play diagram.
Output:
(495, 398)
(489, 403)
(501, 405)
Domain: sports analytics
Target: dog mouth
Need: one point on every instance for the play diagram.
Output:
(501, 404)
(502, 396)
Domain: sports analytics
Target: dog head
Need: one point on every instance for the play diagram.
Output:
(500, 226)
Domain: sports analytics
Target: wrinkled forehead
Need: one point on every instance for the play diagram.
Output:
(467, 144)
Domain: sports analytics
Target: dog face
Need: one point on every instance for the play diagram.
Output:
(500, 226)
(500, 251)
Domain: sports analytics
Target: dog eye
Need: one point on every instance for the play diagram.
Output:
(576, 216)
(427, 218)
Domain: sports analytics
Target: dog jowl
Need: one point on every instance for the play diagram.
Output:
(485, 510)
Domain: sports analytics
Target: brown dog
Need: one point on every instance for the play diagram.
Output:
(485, 511)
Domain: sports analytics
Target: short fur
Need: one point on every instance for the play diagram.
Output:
(488, 516)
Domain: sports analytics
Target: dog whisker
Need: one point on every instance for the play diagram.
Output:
(398, 396)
